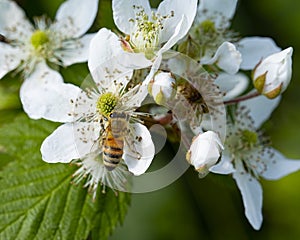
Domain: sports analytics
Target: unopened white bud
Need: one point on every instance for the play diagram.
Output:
(273, 74)
(162, 87)
(204, 152)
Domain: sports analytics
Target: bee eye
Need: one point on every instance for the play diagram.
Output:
(105, 118)
(112, 115)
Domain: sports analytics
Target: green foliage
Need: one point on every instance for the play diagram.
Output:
(37, 200)
(9, 91)
(75, 74)
(104, 17)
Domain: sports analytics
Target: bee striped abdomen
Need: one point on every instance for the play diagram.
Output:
(112, 152)
(113, 142)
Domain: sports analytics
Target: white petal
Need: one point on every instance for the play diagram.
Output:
(279, 166)
(64, 145)
(254, 49)
(79, 54)
(103, 47)
(260, 108)
(123, 11)
(134, 97)
(177, 35)
(144, 147)
(106, 47)
(252, 195)
(10, 58)
(104, 59)
(75, 17)
(219, 11)
(133, 60)
(224, 166)
(12, 17)
(85, 106)
(232, 85)
(188, 9)
(60, 146)
(44, 95)
(227, 57)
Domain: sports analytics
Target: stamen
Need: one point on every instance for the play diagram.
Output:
(145, 38)
(246, 144)
(209, 37)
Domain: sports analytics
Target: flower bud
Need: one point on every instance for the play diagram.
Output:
(273, 74)
(204, 152)
(162, 87)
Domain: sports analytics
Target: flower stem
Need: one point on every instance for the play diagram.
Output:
(242, 98)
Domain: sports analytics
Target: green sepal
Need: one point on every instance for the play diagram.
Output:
(274, 93)
(259, 82)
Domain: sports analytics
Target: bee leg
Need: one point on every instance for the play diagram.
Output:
(136, 155)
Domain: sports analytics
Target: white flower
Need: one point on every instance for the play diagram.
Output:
(247, 156)
(211, 31)
(212, 21)
(28, 48)
(162, 87)
(273, 74)
(87, 118)
(149, 33)
(61, 42)
(204, 152)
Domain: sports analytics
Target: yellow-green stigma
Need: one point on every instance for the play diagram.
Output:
(38, 39)
(106, 103)
(208, 27)
(249, 138)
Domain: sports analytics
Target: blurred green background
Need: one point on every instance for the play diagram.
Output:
(212, 208)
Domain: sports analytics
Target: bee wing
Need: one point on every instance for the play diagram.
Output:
(96, 147)
(138, 149)
(130, 146)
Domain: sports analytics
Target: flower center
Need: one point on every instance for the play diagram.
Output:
(242, 140)
(209, 37)
(106, 103)
(39, 39)
(145, 38)
(249, 138)
(208, 27)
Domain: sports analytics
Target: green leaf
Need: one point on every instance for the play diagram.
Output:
(37, 200)
(4, 160)
(9, 92)
(104, 17)
(75, 73)
(7, 116)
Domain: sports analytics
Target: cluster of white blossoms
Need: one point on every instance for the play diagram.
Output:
(105, 127)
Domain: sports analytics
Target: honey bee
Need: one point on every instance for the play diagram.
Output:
(113, 139)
